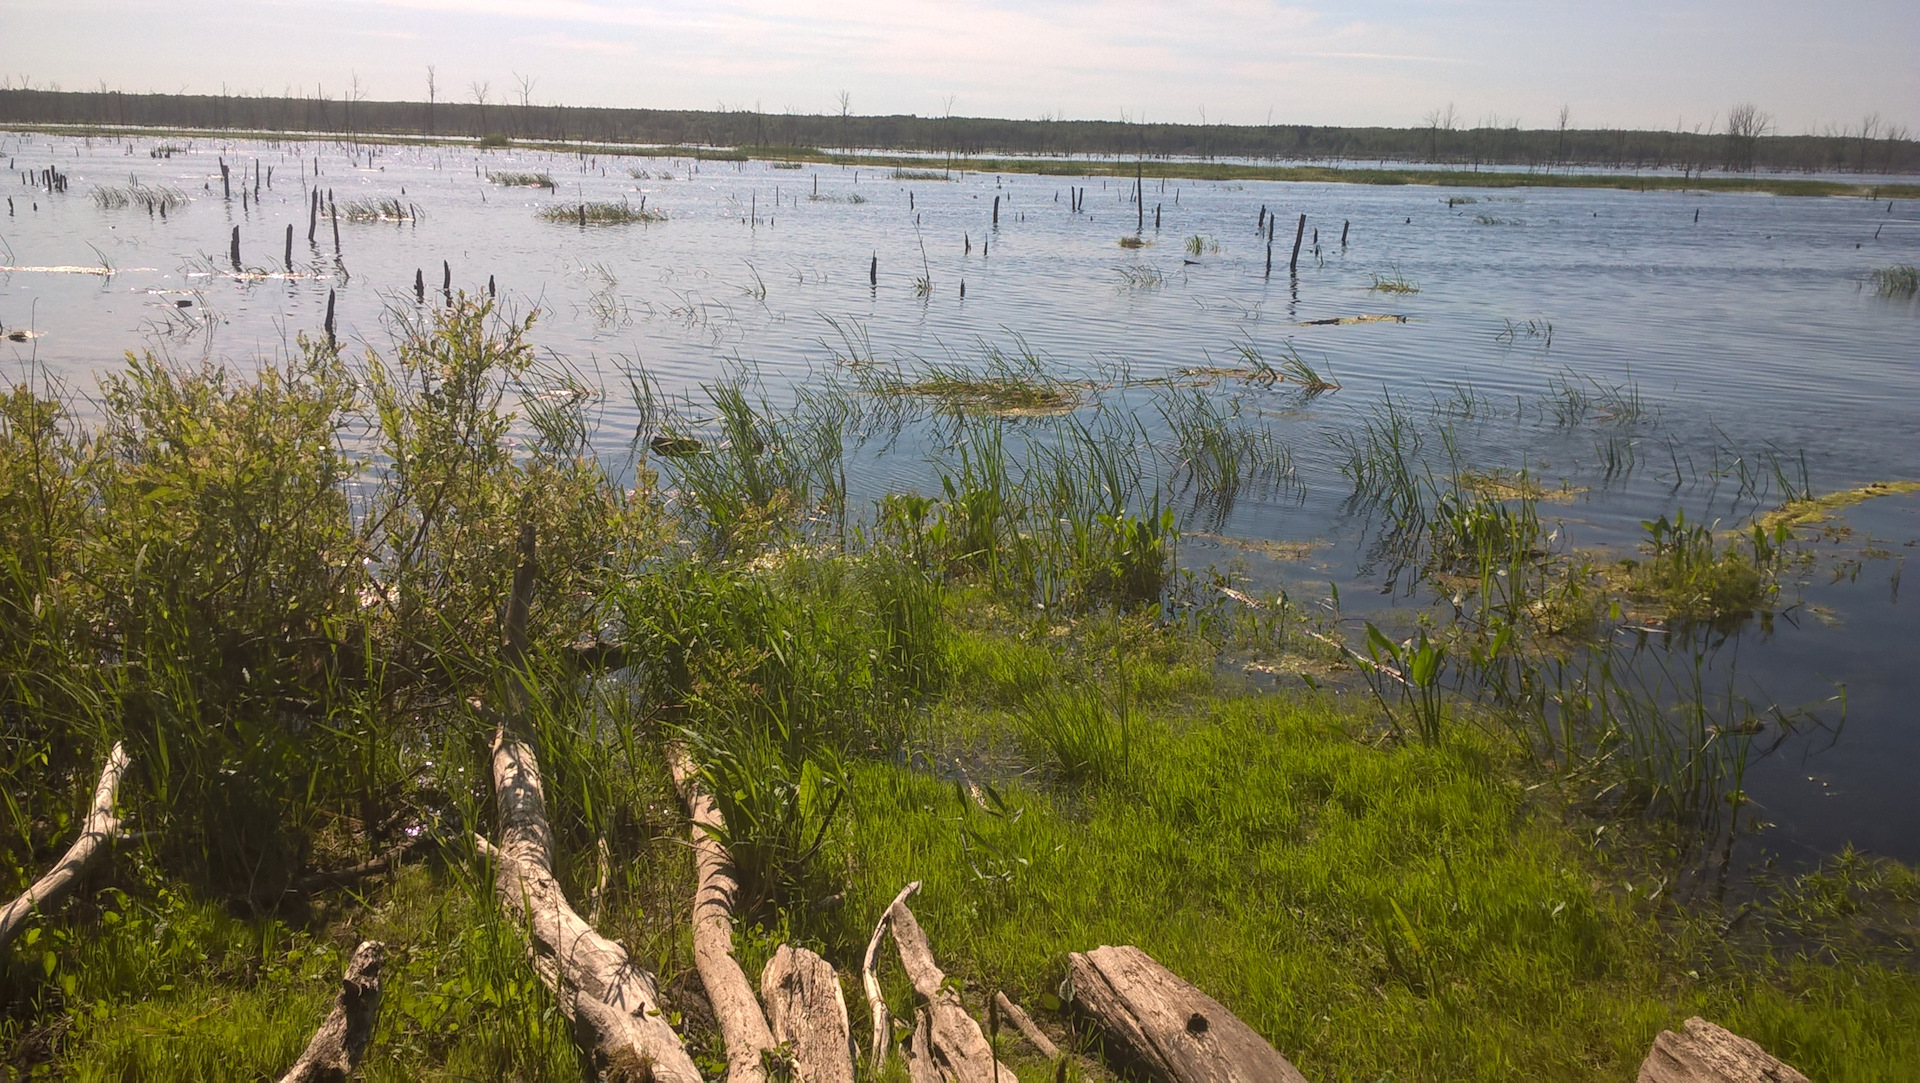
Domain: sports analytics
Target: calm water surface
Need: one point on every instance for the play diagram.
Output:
(1741, 322)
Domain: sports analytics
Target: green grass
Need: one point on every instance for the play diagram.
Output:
(1009, 689)
(600, 214)
(1393, 283)
(1377, 910)
(1899, 280)
(919, 175)
(522, 180)
(379, 210)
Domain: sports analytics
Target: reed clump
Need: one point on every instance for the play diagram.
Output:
(379, 210)
(1393, 283)
(522, 180)
(601, 214)
(919, 175)
(1897, 281)
(154, 198)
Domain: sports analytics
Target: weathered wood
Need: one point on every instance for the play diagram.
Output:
(1701, 1052)
(870, 981)
(609, 998)
(336, 1047)
(1023, 1023)
(1153, 1020)
(96, 838)
(808, 1014)
(955, 1043)
(742, 1025)
(921, 1067)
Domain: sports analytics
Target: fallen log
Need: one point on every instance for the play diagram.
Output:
(953, 1045)
(808, 1014)
(612, 1001)
(337, 1046)
(96, 837)
(870, 982)
(1153, 1020)
(1701, 1052)
(748, 1039)
(1023, 1023)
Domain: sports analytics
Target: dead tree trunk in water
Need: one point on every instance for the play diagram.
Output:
(337, 1046)
(96, 837)
(1153, 1020)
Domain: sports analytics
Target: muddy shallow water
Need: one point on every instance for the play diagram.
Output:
(1651, 350)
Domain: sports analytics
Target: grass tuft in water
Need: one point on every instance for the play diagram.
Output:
(379, 210)
(1899, 280)
(522, 180)
(600, 214)
(1393, 283)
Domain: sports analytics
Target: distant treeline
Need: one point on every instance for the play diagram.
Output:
(1885, 151)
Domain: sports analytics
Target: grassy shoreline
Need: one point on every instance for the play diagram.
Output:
(1010, 691)
(1768, 184)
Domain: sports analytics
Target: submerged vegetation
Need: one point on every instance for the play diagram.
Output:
(1468, 847)
(379, 210)
(523, 180)
(153, 198)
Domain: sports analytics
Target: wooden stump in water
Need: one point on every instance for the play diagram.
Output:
(1153, 1020)
(1701, 1052)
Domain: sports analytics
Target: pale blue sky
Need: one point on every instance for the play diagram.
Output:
(1632, 63)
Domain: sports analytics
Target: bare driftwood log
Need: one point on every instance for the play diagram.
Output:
(1701, 1052)
(748, 1039)
(1158, 1022)
(1023, 1023)
(870, 980)
(954, 1045)
(920, 1065)
(808, 1014)
(612, 1000)
(336, 1047)
(96, 837)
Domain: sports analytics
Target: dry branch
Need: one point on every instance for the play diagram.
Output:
(336, 1047)
(1701, 1052)
(1023, 1023)
(1155, 1021)
(954, 1043)
(96, 836)
(748, 1039)
(870, 980)
(808, 1014)
(599, 987)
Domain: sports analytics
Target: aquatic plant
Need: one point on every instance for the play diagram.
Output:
(1197, 244)
(1393, 283)
(507, 179)
(160, 198)
(1899, 280)
(600, 213)
(379, 210)
(919, 175)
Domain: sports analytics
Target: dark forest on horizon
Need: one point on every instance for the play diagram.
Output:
(1746, 143)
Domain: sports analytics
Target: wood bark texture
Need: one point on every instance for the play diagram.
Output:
(336, 1047)
(1152, 1019)
(920, 1064)
(808, 1014)
(96, 838)
(742, 1025)
(612, 1000)
(1024, 1023)
(954, 1042)
(870, 981)
(1701, 1052)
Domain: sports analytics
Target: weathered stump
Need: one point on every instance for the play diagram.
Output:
(337, 1046)
(952, 1044)
(808, 1014)
(1701, 1052)
(1152, 1019)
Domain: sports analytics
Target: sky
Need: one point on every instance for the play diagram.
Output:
(1616, 63)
